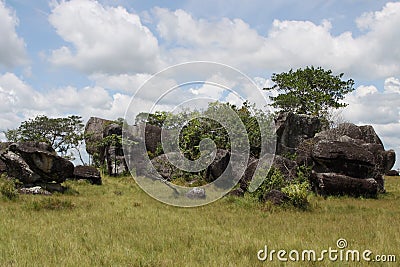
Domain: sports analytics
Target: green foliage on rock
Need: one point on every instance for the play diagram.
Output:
(297, 190)
(198, 125)
(273, 180)
(310, 91)
(63, 134)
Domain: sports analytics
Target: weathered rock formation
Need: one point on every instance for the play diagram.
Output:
(96, 130)
(276, 197)
(3, 167)
(35, 163)
(94, 133)
(393, 173)
(88, 173)
(218, 166)
(343, 156)
(285, 166)
(292, 129)
(338, 184)
(164, 167)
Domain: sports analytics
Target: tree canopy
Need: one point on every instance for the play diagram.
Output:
(201, 127)
(310, 91)
(62, 134)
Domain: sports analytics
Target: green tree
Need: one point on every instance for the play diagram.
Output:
(157, 118)
(63, 134)
(201, 127)
(114, 141)
(310, 91)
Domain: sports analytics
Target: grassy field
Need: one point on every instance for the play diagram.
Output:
(117, 224)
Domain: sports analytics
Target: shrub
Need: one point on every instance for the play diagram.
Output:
(274, 180)
(7, 189)
(303, 174)
(297, 193)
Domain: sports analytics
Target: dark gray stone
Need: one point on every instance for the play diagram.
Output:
(248, 174)
(96, 130)
(3, 167)
(94, 133)
(89, 173)
(292, 129)
(218, 166)
(349, 151)
(392, 173)
(276, 197)
(286, 166)
(337, 184)
(34, 162)
(152, 137)
(237, 192)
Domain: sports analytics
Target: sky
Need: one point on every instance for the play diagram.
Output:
(88, 58)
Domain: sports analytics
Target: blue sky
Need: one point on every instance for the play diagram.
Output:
(89, 57)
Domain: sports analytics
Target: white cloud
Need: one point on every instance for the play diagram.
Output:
(288, 44)
(16, 95)
(12, 47)
(392, 85)
(103, 39)
(121, 82)
(114, 47)
(18, 101)
(21, 102)
(368, 105)
(68, 99)
(363, 90)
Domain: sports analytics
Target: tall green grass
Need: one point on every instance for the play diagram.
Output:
(117, 224)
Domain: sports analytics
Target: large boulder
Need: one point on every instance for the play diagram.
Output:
(393, 173)
(88, 173)
(285, 166)
(94, 133)
(152, 137)
(3, 167)
(292, 129)
(276, 197)
(164, 167)
(35, 163)
(345, 153)
(218, 166)
(96, 130)
(244, 182)
(337, 184)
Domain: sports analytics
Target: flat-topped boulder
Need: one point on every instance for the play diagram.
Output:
(340, 155)
(35, 163)
(88, 173)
